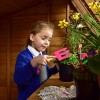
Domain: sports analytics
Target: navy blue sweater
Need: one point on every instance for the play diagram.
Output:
(25, 75)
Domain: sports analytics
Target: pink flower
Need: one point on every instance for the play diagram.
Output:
(83, 55)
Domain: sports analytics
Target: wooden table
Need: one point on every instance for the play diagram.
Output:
(50, 82)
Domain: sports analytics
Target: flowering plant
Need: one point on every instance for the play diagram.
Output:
(83, 41)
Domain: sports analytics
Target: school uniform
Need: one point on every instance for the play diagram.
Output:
(25, 75)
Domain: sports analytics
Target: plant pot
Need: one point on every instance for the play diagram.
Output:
(87, 90)
(65, 73)
(98, 77)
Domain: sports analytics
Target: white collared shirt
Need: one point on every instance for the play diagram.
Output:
(43, 71)
(33, 51)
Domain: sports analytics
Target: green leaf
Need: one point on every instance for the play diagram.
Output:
(94, 64)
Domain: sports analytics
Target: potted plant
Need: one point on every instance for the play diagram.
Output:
(66, 69)
(84, 44)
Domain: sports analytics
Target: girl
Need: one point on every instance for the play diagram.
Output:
(31, 68)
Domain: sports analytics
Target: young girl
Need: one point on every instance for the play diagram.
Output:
(31, 68)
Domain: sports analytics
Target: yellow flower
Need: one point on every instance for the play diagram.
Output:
(93, 5)
(63, 24)
(76, 16)
(98, 10)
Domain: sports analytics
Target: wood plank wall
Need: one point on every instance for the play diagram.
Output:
(13, 37)
(4, 31)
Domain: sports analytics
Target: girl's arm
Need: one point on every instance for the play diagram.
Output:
(24, 71)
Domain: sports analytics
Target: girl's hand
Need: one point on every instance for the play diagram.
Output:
(41, 60)
(49, 58)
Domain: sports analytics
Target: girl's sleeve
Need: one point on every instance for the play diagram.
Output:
(52, 71)
(23, 70)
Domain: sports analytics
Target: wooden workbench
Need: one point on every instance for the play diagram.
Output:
(50, 82)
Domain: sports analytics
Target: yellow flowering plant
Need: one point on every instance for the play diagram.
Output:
(95, 6)
(83, 41)
(75, 30)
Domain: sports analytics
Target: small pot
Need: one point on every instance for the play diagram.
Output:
(65, 73)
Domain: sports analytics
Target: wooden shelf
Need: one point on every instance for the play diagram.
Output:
(53, 81)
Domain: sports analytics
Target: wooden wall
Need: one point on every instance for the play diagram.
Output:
(13, 37)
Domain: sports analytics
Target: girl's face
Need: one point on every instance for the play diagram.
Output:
(41, 40)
